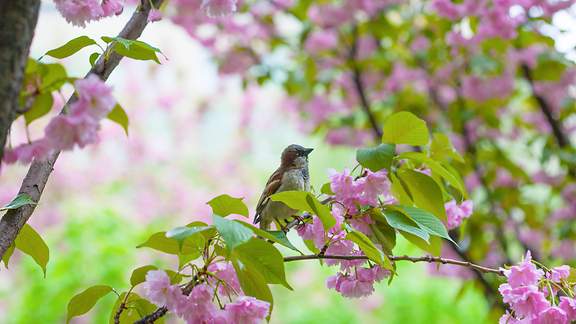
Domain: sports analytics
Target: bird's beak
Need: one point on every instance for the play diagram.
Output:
(308, 151)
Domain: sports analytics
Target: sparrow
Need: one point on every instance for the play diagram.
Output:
(291, 175)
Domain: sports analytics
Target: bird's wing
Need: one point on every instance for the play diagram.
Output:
(271, 187)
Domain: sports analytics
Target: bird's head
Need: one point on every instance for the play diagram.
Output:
(295, 156)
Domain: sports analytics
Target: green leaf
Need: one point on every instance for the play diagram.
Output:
(181, 233)
(322, 211)
(53, 76)
(264, 258)
(139, 274)
(305, 201)
(399, 191)
(137, 307)
(7, 255)
(30, 242)
(41, 106)
(71, 47)
(384, 233)
(232, 232)
(275, 236)
(401, 222)
(441, 148)
(134, 49)
(405, 128)
(376, 158)
(433, 246)
(20, 200)
(369, 249)
(93, 57)
(425, 192)
(84, 301)
(426, 221)
(436, 168)
(252, 282)
(158, 241)
(119, 116)
(225, 205)
(326, 189)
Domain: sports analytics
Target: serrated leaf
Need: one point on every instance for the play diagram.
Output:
(322, 211)
(402, 222)
(437, 168)
(232, 232)
(369, 249)
(405, 128)
(158, 241)
(399, 191)
(426, 221)
(264, 258)
(225, 205)
(119, 116)
(40, 107)
(275, 236)
(376, 158)
(84, 301)
(139, 274)
(71, 47)
(252, 282)
(425, 192)
(20, 200)
(433, 246)
(30, 242)
(441, 148)
(134, 49)
(181, 233)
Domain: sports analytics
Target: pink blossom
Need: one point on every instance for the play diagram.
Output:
(156, 287)
(348, 136)
(225, 272)
(198, 306)
(63, 132)
(112, 7)
(321, 40)
(523, 274)
(552, 315)
(456, 214)
(359, 283)
(481, 89)
(24, 153)
(559, 273)
(526, 301)
(446, 9)
(373, 185)
(154, 15)
(95, 96)
(247, 310)
(568, 305)
(346, 190)
(78, 12)
(218, 8)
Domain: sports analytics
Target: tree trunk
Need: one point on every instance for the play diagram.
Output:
(17, 23)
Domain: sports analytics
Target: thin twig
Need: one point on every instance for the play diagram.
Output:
(427, 258)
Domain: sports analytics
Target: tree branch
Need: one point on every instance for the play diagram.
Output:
(559, 134)
(427, 258)
(17, 23)
(359, 86)
(39, 171)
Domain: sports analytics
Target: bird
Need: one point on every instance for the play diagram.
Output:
(291, 175)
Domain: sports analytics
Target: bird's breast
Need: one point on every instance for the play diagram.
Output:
(295, 179)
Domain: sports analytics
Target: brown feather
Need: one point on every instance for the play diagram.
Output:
(272, 186)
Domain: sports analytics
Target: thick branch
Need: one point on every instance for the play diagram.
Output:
(359, 86)
(559, 134)
(427, 258)
(39, 171)
(17, 23)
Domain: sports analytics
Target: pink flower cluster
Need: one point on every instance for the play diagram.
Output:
(359, 283)
(363, 191)
(528, 297)
(78, 127)
(79, 12)
(457, 213)
(198, 307)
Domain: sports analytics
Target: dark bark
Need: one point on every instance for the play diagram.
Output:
(39, 171)
(17, 23)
